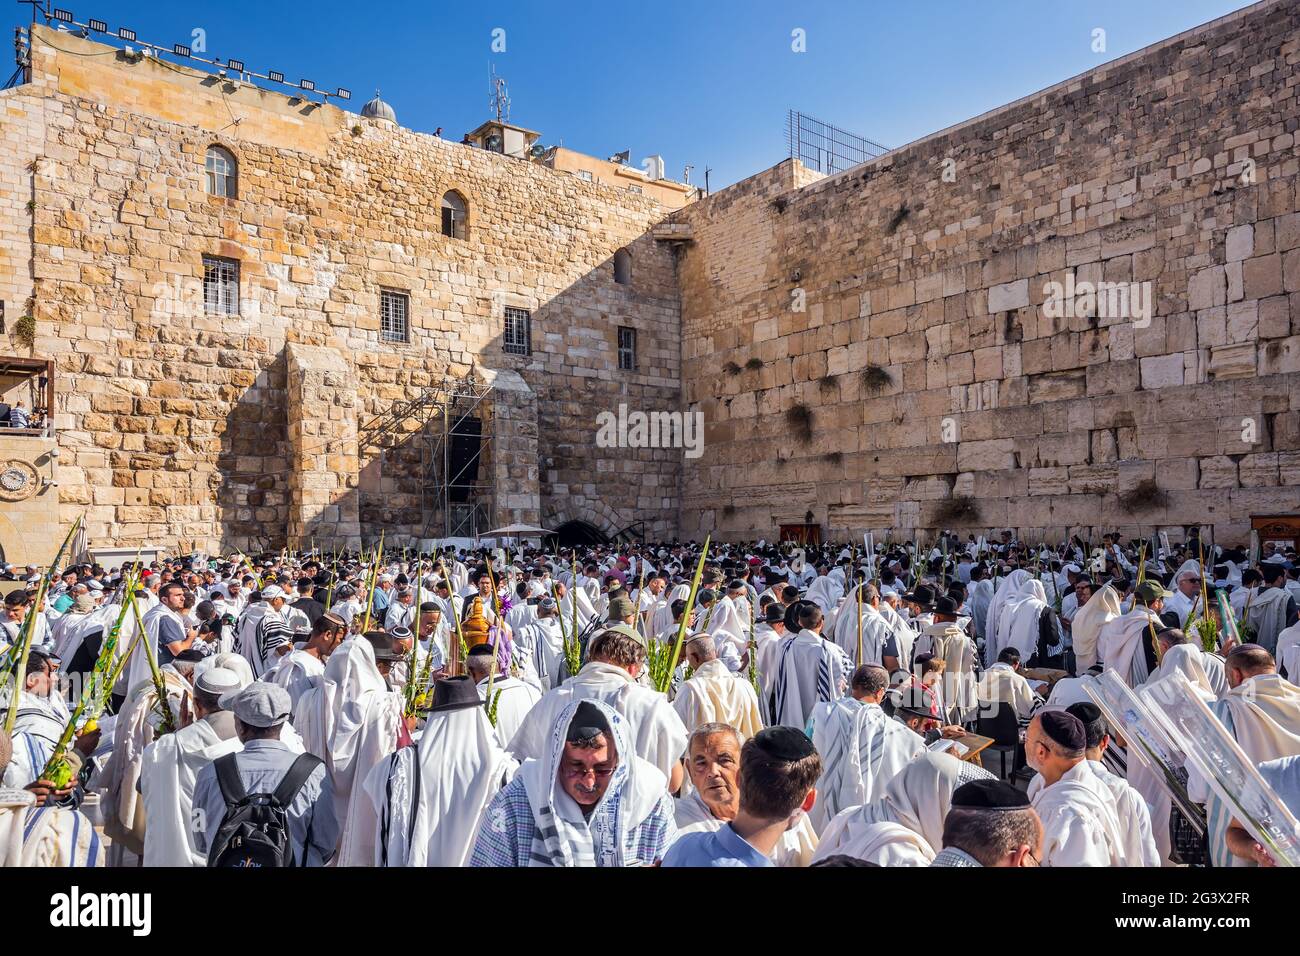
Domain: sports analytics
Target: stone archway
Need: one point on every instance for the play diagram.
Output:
(579, 533)
(581, 510)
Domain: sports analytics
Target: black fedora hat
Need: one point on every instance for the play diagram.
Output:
(922, 596)
(455, 693)
(946, 605)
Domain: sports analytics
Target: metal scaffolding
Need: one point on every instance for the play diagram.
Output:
(447, 424)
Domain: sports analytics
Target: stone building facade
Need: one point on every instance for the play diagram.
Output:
(870, 351)
(189, 429)
(874, 347)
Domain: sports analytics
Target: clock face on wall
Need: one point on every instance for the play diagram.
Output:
(17, 480)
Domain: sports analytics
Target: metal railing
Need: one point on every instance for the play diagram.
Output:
(826, 148)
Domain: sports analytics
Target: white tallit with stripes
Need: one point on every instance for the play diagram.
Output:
(564, 836)
(862, 750)
(32, 836)
(809, 670)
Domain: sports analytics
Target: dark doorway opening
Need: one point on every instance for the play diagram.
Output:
(579, 533)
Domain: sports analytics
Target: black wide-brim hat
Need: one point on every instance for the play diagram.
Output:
(922, 596)
(455, 693)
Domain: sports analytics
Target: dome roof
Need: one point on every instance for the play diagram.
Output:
(378, 109)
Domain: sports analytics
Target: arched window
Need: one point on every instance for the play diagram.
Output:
(453, 214)
(623, 267)
(223, 180)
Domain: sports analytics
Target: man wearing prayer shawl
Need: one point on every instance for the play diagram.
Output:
(1261, 711)
(991, 823)
(350, 720)
(617, 657)
(756, 812)
(1102, 607)
(1004, 684)
(170, 765)
(809, 670)
(514, 698)
(304, 666)
(1133, 809)
(589, 800)
(862, 748)
(875, 629)
(1124, 644)
(424, 805)
(1273, 608)
(1082, 822)
(905, 826)
(713, 764)
(1186, 595)
(713, 694)
(542, 642)
(36, 832)
(946, 641)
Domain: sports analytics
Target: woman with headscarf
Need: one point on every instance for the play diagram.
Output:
(1101, 608)
(905, 826)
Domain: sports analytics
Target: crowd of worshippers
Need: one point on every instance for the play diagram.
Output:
(484, 707)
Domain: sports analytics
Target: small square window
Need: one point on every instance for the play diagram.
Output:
(220, 286)
(394, 316)
(518, 339)
(634, 188)
(584, 174)
(626, 348)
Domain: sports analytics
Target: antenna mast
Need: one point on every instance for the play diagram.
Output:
(500, 99)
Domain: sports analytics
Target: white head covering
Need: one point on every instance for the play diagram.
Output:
(231, 661)
(1186, 659)
(1102, 607)
(563, 834)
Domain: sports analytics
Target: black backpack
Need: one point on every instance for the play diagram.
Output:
(255, 830)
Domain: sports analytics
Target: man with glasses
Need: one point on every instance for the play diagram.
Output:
(1186, 597)
(589, 800)
(991, 823)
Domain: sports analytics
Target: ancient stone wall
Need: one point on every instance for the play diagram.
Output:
(173, 421)
(874, 348)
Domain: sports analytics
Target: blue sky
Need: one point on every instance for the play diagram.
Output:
(705, 82)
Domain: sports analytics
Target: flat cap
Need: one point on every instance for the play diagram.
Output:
(260, 704)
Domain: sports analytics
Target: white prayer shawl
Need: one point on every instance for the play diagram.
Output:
(862, 750)
(349, 720)
(1262, 713)
(825, 592)
(1133, 809)
(1082, 823)
(1102, 608)
(726, 625)
(1001, 684)
(133, 731)
(168, 769)
(424, 805)
(795, 848)
(245, 638)
(981, 594)
(1288, 653)
(521, 615)
(1268, 616)
(1180, 603)
(399, 615)
(586, 609)
(1186, 659)
(564, 836)
(715, 695)
(663, 615)
(809, 670)
(32, 836)
(295, 672)
(950, 643)
(904, 636)
(545, 638)
(72, 629)
(1007, 588)
(516, 700)
(875, 631)
(652, 725)
(1019, 619)
(915, 801)
(1119, 644)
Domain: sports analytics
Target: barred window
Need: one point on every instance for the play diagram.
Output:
(220, 170)
(634, 188)
(585, 174)
(519, 331)
(220, 286)
(626, 348)
(394, 312)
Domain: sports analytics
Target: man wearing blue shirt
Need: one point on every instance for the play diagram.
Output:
(778, 769)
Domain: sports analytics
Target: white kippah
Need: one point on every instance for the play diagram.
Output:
(217, 680)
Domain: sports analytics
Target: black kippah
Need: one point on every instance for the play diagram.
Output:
(1065, 730)
(784, 743)
(588, 722)
(1086, 711)
(988, 795)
